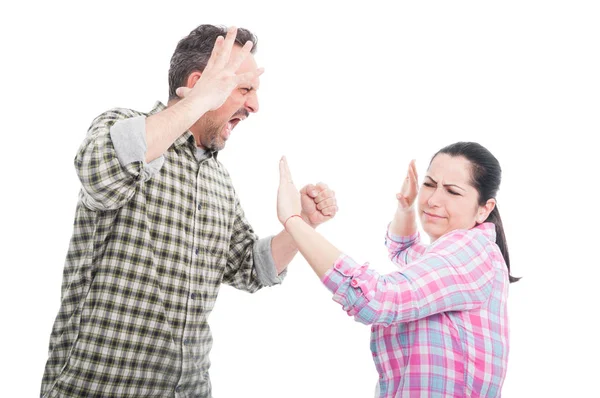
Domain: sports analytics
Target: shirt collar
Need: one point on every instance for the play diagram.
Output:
(488, 229)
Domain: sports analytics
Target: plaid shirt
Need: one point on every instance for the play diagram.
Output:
(440, 326)
(151, 245)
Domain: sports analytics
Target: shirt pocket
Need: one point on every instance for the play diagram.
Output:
(215, 221)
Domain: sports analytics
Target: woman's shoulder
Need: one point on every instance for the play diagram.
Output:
(465, 243)
(483, 233)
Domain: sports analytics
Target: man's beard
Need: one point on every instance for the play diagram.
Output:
(212, 137)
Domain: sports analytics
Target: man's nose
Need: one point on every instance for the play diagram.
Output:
(251, 103)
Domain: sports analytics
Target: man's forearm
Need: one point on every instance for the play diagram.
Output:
(283, 249)
(163, 128)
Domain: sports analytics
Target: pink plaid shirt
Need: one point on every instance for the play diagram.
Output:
(440, 326)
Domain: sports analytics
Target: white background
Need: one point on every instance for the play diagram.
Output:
(352, 91)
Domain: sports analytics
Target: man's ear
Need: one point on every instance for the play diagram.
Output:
(193, 79)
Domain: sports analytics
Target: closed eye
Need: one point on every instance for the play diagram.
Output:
(454, 193)
(428, 184)
(245, 90)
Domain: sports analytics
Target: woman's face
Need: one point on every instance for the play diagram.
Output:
(447, 200)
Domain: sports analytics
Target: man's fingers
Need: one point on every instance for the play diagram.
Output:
(330, 211)
(323, 195)
(322, 186)
(325, 203)
(310, 190)
(248, 77)
(225, 50)
(215, 54)
(222, 50)
(235, 62)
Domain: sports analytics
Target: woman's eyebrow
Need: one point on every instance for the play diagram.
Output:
(446, 185)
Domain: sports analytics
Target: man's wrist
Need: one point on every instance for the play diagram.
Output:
(195, 106)
(307, 220)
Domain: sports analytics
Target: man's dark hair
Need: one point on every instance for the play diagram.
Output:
(193, 52)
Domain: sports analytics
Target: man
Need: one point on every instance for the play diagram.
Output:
(158, 228)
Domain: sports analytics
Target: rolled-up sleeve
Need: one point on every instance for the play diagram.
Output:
(250, 265)
(129, 139)
(462, 279)
(404, 249)
(110, 162)
(265, 264)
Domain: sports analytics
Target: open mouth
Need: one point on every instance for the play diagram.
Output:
(230, 126)
(233, 122)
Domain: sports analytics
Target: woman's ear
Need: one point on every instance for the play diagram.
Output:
(484, 211)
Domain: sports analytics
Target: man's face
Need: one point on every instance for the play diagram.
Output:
(213, 129)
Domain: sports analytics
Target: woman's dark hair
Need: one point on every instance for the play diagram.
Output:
(193, 52)
(485, 177)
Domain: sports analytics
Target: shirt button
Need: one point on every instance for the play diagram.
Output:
(197, 251)
(186, 342)
(338, 266)
(199, 206)
(194, 295)
(178, 389)
(354, 283)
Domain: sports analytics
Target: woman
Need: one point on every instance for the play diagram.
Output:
(440, 325)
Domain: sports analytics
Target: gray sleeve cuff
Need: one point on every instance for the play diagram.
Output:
(129, 140)
(264, 263)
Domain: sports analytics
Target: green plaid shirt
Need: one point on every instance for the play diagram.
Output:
(152, 243)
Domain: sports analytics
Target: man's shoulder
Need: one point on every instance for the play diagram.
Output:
(113, 115)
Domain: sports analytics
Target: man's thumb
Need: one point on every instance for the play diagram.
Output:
(182, 92)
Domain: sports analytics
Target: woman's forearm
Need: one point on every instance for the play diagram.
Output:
(317, 250)
(404, 222)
